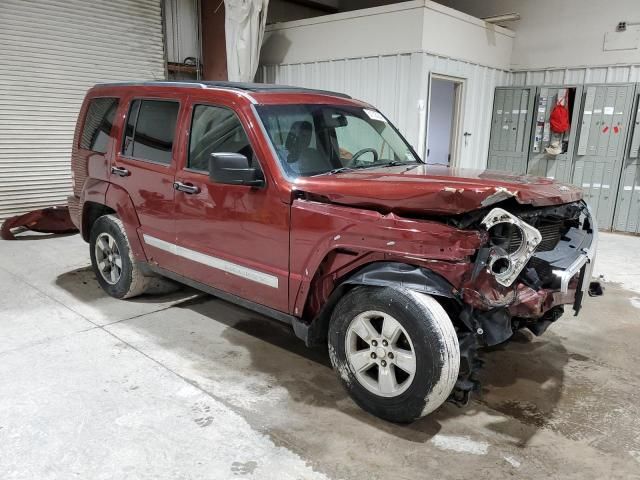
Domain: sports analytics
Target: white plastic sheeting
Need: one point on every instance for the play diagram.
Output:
(244, 29)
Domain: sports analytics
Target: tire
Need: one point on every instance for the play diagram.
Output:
(128, 281)
(425, 329)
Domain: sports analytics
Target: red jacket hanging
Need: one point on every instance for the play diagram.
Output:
(559, 118)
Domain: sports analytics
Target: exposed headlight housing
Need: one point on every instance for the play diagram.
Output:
(512, 244)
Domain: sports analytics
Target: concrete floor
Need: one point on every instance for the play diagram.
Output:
(186, 386)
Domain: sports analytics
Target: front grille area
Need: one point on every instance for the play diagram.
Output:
(544, 272)
(554, 224)
(551, 233)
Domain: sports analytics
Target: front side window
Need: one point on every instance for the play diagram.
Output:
(317, 139)
(215, 130)
(96, 132)
(150, 130)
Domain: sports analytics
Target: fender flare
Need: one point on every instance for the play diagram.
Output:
(379, 274)
(118, 199)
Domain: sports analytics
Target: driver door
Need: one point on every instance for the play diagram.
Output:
(234, 238)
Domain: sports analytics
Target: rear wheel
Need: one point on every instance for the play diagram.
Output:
(395, 350)
(112, 259)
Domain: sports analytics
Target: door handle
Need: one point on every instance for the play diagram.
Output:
(186, 188)
(123, 172)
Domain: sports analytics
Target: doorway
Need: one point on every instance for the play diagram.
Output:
(444, 120)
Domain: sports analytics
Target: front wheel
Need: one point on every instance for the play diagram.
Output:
(395, 350)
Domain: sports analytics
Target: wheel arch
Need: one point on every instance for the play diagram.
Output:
(116, 201)
(91, 211)
(378, 274)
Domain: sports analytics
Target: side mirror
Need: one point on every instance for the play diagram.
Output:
(234, 169)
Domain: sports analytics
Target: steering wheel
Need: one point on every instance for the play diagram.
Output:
(359, 153)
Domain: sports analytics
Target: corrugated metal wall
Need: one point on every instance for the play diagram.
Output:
(392, 83)
(398, 86)
(52, 52)
(578, 76)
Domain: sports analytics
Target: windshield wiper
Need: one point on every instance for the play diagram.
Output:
(391, 163)
(342, 170)
(333, 171)
(396, 163)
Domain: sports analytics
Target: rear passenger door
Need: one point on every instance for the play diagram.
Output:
(234, 238)
(145, 167)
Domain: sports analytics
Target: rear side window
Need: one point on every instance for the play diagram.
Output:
(215, 130)
(97, 124)
(150, 130)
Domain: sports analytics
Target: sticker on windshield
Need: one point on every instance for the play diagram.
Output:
(373, 115)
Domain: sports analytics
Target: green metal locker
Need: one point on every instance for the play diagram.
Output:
(541, 163)
(627, 215)
(604, 127)
(510, 127)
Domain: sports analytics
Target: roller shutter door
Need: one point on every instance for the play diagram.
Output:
(51, 52)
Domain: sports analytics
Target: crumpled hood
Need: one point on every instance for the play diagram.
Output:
(434, 189)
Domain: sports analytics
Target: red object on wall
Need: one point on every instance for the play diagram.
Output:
(559, 119)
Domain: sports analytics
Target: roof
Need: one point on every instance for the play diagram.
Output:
(247, 87)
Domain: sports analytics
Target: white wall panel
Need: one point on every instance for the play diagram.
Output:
(578, 76)
(566, 33)
(384, 81)
(398, 86)
(52, 52)
(404, 27)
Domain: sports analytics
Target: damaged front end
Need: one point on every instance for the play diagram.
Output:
(535, 261)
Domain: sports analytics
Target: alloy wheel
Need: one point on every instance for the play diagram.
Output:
(380, 353)
(108, 258)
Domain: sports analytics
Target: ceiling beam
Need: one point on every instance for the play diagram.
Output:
(318, 5)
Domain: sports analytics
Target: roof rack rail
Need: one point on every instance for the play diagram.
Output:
(244, 86)
(185, 83)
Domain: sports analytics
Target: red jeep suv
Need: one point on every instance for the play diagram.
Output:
(309, 207)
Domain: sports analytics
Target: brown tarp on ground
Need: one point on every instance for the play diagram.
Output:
(45, 220)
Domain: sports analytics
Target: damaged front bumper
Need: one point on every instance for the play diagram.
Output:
(534, 278)
(533, 289)
(583, 264)
(574, 256)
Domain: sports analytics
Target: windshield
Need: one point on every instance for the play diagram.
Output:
(321, 139)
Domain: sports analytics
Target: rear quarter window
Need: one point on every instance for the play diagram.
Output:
(96, 132)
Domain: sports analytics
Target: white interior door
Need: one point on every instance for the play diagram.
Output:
(443, 120)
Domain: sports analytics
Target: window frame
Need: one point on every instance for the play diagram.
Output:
(86, 115)
(188, 145)
(135, 129)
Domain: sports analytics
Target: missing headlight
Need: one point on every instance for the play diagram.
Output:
(513, 242)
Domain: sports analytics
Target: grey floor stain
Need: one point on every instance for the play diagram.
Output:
(246, 468)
